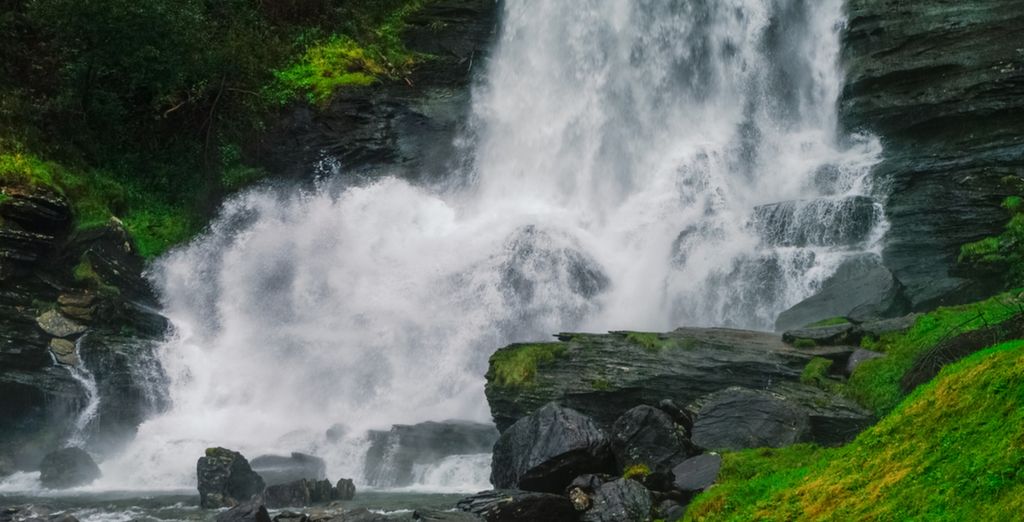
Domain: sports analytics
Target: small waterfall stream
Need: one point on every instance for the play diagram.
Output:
(80, 373)
(637, 164)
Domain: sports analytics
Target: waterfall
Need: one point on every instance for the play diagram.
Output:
(626, 155)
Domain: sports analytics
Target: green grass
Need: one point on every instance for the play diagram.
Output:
(816, 372)
(876, 383)
(516, 365)
(804, 343)
(637, 472)
(649, 341)
(338, 60)
(1002, 254)
(953, 450)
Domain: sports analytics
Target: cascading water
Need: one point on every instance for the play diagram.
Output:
(620, 150)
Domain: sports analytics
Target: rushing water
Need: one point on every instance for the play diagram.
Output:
(619, 150)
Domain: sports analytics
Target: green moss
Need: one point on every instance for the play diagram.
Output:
(637, 472)
(1002, 254)
(833, 321)
(649, 341)
(954, 450)
(816, 371)
(601, 384)
(85, 274)
(340, 60)
(516, 365)
(804, 343)
(876, 383)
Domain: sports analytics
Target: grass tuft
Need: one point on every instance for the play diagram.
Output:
(516, 365)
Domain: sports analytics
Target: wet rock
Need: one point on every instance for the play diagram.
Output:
(886, 326)
(861, 289)
(516, 506)
(67, 468)
(251, 511)
(291, 516)
(602, 376)
(545, 450)
(226, 479)
(361, 515)
(833, 335)
(698, 473)
(278, 469)
(670, 510)
(821, 222)
(291, 494)
(858, 357)
(33, 513)
(679, 415)
(647, 436)
(64, 351)
(620, 500)
(443, 516)
(393, 454)
(740, 418)
(345, 490)
(55, 324)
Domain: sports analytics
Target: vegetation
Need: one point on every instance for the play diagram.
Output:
(951, 451)
(816, 372)
(516, 365)
(637, 472)
(876, 383)
(1002, 254)
(141, 109)
(834, 321)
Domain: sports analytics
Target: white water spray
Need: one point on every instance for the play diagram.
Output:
(621, 149)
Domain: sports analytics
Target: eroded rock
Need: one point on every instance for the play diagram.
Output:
(226, 479)
(67, 468)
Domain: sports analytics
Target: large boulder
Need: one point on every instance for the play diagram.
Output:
(226, 479)
(517, 506)
(648, 437)
(697, 474)
(740, 418)
(345, 490)
(278, 469)
(395, 453)
(544, 451)
(67, 468)
(862, 288)
(602, 376)
(621, 500)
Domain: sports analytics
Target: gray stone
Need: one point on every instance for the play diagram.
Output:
(55, 324)
(67, 468)
(251, 511)
(698, 473)
(621, 500)
(226, 479)
(64, 351)
(740, 418)
(648, 436)
(518, 506)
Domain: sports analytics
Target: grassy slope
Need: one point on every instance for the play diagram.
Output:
(953, 450)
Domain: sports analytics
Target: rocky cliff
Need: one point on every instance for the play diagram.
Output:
(942, 84)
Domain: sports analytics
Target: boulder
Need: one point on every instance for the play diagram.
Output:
(517, 506)
(226, 479)
(296, 493)
(861, 289)
(251, 511)
(646, 436)
(621, 500)
(698, 473)
(679, 415)
(67, 468)
(741, 418)
(393, 454)
(545, 450)
(55, 324)
(602, 376)
(858, 357)
(277, 469)
(64, 351)
(345, 490)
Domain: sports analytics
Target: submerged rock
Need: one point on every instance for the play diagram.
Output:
(277, 469)
(517, 506)
(226, 479)
(545, 450)
(67, 468)
(251, 511)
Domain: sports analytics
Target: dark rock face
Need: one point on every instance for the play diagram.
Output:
(840, 334)
(408, 126)
(621, 500)
(739, 418)
(291, 494)
(277, 469)
(545, 450)
(602, 376)
(698, 473)
(648, 436)
(78, 299)
(942, 85)
(251, 511)
(516, 506)
(822, 222)
(226, 479)
(67, 468)
(861, 289)
(408, 445)
(345, 490)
